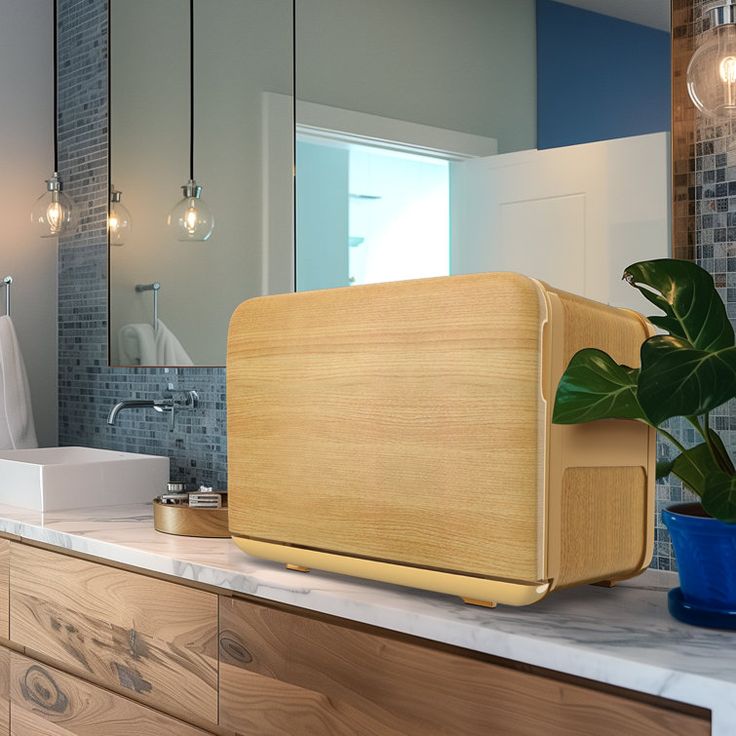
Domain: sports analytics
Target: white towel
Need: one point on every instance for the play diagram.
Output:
(137, 345)
(169, 350)
(17, 430)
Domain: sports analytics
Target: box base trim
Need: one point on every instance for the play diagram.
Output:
(462, 586)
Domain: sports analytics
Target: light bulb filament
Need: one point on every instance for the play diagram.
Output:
(727, 69)
(191, 217)
(55, 216)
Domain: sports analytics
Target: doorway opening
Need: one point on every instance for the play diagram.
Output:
(367, 214)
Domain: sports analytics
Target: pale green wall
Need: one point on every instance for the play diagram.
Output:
(244, 47)
(467, 65)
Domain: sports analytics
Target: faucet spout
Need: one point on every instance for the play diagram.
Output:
(171, 402)
(128, 404)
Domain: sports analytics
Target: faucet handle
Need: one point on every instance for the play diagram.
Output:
(175, 399)
(188, 399)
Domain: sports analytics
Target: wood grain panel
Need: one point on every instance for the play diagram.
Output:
(604, 516)
(583, 459)
(47, 702)
(4, 691)
(291, 675)
(154, 639)
(589, 324)
(4, 588)
(398, 422)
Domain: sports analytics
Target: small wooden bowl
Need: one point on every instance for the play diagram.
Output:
(190, 522)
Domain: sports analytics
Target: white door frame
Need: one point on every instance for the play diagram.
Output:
(322, 122)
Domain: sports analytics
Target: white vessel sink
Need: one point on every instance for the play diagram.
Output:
(60, 478)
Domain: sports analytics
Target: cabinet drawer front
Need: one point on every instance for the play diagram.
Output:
(293, 675)
(47, 702)
(154, 639)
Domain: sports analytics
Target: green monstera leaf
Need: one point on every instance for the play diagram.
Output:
(719, 499)
(664, 468)
(679, 380)
(687, 373)
(595, 387)
(686, 294)
(694, 466)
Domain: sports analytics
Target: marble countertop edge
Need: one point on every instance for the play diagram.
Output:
(621, 637)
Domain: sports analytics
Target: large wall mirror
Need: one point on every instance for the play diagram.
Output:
(431, 137)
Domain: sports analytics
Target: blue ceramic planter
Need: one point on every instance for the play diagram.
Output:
(706, 558)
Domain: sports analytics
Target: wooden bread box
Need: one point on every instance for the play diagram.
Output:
(402, 432)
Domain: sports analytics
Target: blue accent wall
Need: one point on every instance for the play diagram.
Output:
(598, 77)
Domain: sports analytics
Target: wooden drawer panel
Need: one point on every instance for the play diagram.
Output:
(4, 588)
(4, 696)
(47, 702)
(295, 675)
(154, 639)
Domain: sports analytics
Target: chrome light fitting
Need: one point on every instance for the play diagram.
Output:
(54, 213)
(119, 223)
(711, 74)
(191, 217)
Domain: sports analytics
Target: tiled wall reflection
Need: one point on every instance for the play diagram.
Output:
(87, 387)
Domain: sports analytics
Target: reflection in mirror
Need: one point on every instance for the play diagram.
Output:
(432, 138)
(462, 136)
(243, 50)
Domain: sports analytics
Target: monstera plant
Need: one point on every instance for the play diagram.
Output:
(687, 372)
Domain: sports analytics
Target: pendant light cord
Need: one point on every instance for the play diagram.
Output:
(191, 89)
(56, 86)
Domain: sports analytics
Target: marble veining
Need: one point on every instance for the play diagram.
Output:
(622, 636)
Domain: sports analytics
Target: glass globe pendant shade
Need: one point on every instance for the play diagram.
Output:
(711, 74)
(119, 222)
(54, 212)
(191, 217)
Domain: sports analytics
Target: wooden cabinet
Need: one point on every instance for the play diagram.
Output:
(99, 651)
(291, 675)
(152, 639)
(48, 702)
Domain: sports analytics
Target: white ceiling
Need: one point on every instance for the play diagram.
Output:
(654, 13)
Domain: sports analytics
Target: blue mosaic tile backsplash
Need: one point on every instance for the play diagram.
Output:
(87, 386)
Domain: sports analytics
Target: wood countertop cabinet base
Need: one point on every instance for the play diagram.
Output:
(283, 674)
(222, 665)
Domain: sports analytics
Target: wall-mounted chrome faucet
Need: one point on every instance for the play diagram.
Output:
(172, 401)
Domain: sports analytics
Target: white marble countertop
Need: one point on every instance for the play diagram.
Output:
(622, 636)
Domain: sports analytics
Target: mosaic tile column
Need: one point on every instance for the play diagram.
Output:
(709, 180)
(87, 386)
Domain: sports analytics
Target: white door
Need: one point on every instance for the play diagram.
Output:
(574, 217)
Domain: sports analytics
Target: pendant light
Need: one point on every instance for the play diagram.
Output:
(119, 223)
(191, 217)
(54, 213)
(711, 74)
